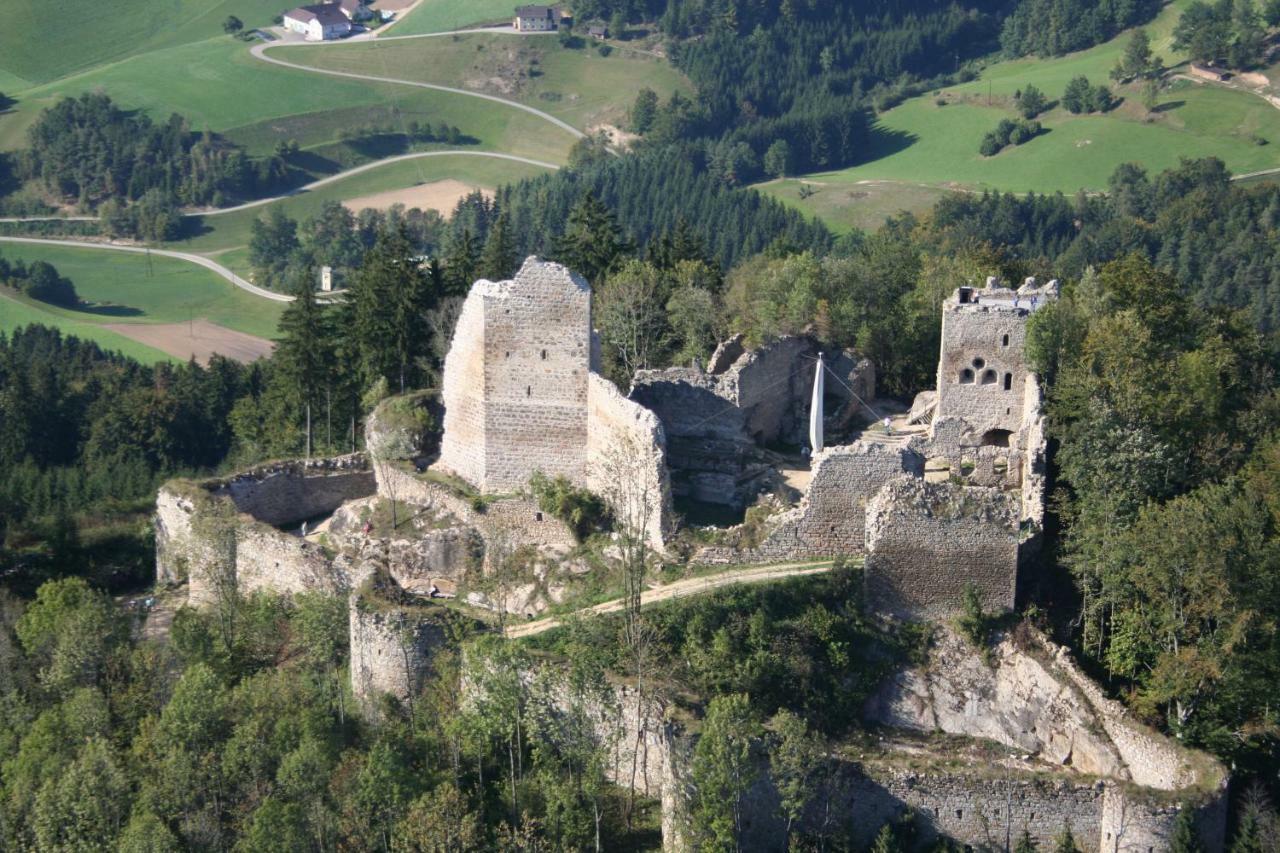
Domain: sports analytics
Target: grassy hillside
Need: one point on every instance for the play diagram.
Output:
(845, 206)
(42, 42)
(16, 312)
(220, 86)
(438, 16)
(933, 140)
(120, 290)
(577, 85)
(231, 231)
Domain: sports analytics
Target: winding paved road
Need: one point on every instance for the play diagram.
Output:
(259, 51)
(200, 260)
(681, 589)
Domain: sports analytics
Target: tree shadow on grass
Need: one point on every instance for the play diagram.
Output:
(884, 141)
(1168, 106)
(108, 310)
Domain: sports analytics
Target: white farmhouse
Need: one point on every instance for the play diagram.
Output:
(318, 23)
(536, 18)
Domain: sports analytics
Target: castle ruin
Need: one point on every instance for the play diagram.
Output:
(950, 496)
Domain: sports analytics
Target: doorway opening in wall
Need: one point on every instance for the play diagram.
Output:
(996, 438)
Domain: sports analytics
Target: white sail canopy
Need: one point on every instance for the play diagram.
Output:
(815, 407)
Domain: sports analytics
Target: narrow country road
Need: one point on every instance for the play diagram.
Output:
(681, 589)
(212, 266)
(365, 168)
(259, 51)
(305, 188)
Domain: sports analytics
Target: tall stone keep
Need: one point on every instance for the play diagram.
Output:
(982, 368)
(516, 378)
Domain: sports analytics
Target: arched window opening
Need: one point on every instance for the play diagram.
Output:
(996, 438)
(1008, 382)
(966, 377)
(1004, 342)
(988, 377)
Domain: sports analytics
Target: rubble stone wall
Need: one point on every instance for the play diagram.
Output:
(515, 379)
(829, 521)
(927, 541)
(290, 492)
(391, 648)
(625, 459)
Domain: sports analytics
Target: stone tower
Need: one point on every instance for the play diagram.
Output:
(516, 379)
(982, 369)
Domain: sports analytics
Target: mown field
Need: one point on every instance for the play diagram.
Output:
(845, 206)
(933, 140)
(232, 230)
(438, 16)
(40, 41)
(120, 288)
(16, 312)
(578, 85)
(218, 85)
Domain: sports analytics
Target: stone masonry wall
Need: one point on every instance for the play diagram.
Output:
(625, 459)
(514, 517)
(1030, 695)
(829, 521)
(391, 648)
(980, 377)
(927, 541)
(289, 492)
(204, 527)
(515, 379)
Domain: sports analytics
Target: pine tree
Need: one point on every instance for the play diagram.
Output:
(1065, 842)
(1026, 844)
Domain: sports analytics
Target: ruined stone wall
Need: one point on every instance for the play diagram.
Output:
(1028, 694)
(768, 384)
(270, 561)
(290, 492)
(625, 459)
(219, 532)
(982, 365)
(926, 542)
(515, 379)
(829, 521)
(174, 510)
(391, 648)
(463, 446)
(515, 518)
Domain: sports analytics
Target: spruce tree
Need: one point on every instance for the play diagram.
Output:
(1065, 842)
(498, 260)
(302, 357)
(461, 264)
(592, 243)
(1184, 838)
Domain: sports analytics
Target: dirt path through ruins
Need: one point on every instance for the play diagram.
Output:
(682, 589)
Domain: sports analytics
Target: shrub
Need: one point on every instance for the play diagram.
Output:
(1031, 102)
(584, 511)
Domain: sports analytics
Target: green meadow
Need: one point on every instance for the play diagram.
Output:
(578, 86)
(932, 140)
(118, 287)
(232, 230)
(219, 86)
(37, 37)
(844, 207)
(438, 16)
(16, 312)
